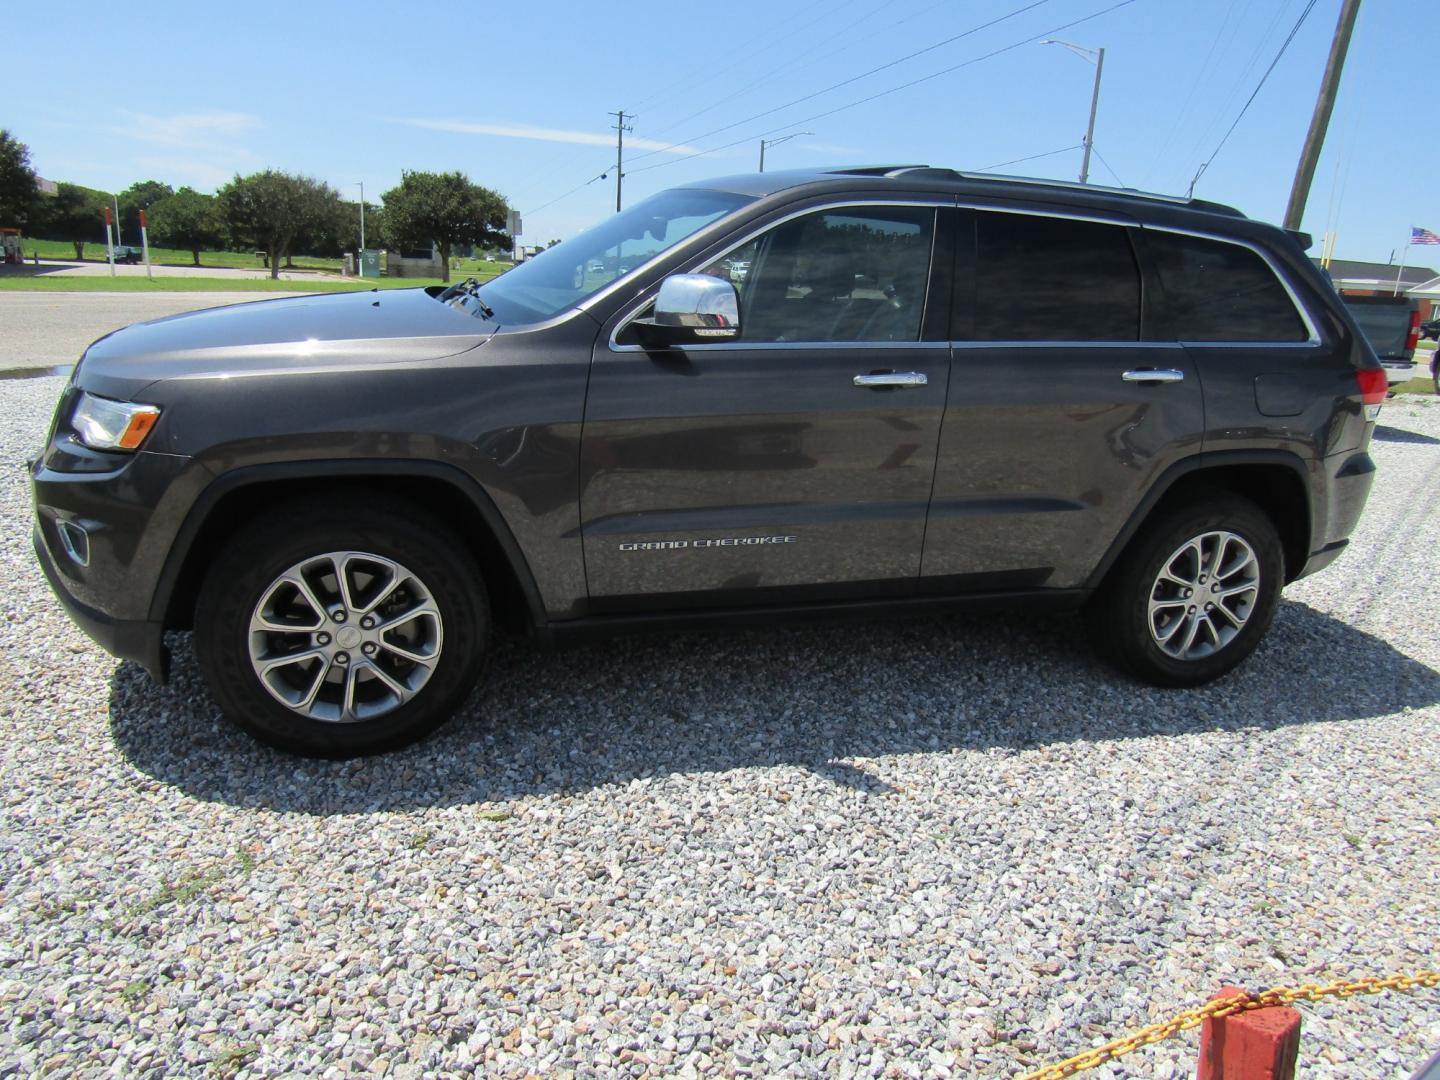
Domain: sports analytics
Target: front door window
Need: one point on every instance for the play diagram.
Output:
(851, 275)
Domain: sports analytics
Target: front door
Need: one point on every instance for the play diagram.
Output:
(758, 469)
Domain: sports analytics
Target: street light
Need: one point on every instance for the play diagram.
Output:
(1096, 57)
(361, 184)
(776, 142)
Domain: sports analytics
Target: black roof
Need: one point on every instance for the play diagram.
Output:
(762, 184)
(1356, 270)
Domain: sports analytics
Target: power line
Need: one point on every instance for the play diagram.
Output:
(1032, 157)
(856, 78)
(895, 89)
(1200, 77)
(745, 54)
(1111, 171)
(1255, 93)
(1265, 43)
(892, 63)
(792, 65)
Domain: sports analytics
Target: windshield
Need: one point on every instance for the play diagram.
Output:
(546, 284)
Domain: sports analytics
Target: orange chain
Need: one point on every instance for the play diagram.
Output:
(1228, 1006)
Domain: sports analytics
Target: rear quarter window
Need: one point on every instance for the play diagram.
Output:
(1216, 291)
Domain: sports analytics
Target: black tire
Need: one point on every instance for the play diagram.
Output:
(259, 554)
(1119, 615)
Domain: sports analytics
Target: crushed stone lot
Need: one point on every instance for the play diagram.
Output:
(927, 847)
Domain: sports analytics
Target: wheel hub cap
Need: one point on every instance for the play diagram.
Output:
(345, 636)
(1223, 568)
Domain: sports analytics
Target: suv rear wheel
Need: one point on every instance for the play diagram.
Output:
(335, 630)
(1193, 593)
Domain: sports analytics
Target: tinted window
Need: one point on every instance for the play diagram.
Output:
(838, 275)
(1040, 278)
(1221, 292)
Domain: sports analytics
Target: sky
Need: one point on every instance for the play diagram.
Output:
(518, 96)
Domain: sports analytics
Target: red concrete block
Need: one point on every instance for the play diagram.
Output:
(1261, 1044)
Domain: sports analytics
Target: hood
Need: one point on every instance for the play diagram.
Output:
(277, 336)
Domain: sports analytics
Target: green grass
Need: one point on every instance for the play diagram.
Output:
(161, 256)
(230, 260)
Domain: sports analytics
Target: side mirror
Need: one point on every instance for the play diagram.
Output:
(692, 308)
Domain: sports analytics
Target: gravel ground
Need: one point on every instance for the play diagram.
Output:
(919, 848)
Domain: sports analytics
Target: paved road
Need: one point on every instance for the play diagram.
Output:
(40, 330)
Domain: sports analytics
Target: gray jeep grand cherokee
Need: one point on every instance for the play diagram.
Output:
(851, 390)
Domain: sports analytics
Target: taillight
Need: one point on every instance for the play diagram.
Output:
(1373, 385)
(1413, 338)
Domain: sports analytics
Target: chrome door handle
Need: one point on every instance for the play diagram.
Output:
(893, 378)
(1153, 375)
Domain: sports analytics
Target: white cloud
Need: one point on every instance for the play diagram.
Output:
(194, 131)
(828, 148)
(527, 131)
(189, 172)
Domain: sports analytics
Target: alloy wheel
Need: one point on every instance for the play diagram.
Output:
(1203, 595)
(345, 637)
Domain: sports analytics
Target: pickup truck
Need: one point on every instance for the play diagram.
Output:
(1392, 325)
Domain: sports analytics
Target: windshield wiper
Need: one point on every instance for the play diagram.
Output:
(469, 287)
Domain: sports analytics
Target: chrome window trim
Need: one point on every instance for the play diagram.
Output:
(1098, 218)
(1313, 338)
(1046, 343)
(937, 204)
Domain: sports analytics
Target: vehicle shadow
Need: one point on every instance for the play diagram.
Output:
(813, 696)
(1400, 435)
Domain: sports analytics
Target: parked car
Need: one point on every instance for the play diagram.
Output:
(124, 254)
(931, 390)
(1430, 329)
(1392, 326)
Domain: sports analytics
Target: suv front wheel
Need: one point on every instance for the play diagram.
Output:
(1193, 594)
(339, 629)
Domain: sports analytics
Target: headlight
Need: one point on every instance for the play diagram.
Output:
(103, 424)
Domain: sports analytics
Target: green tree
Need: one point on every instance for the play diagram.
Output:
(139, 196)
(76, 214)
(271, 209)
(18, 191)
(188, 219)
(443, 209)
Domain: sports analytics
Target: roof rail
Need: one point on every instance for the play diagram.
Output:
(873, 170)
(928, 172)
(1104, 189)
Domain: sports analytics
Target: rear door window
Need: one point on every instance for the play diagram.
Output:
(1216, 291)
(1054, 279)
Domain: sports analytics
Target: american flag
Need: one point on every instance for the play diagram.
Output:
(1423, 236)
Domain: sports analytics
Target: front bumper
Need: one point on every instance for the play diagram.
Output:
(141, 641)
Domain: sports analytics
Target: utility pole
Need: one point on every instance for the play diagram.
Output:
(620, 129)
(775, 142)
(1096, 57)
(1090, 129)
(1320, 122)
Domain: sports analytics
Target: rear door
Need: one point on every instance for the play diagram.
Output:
(1061, 414)
(730, 472)
(1276, 377)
